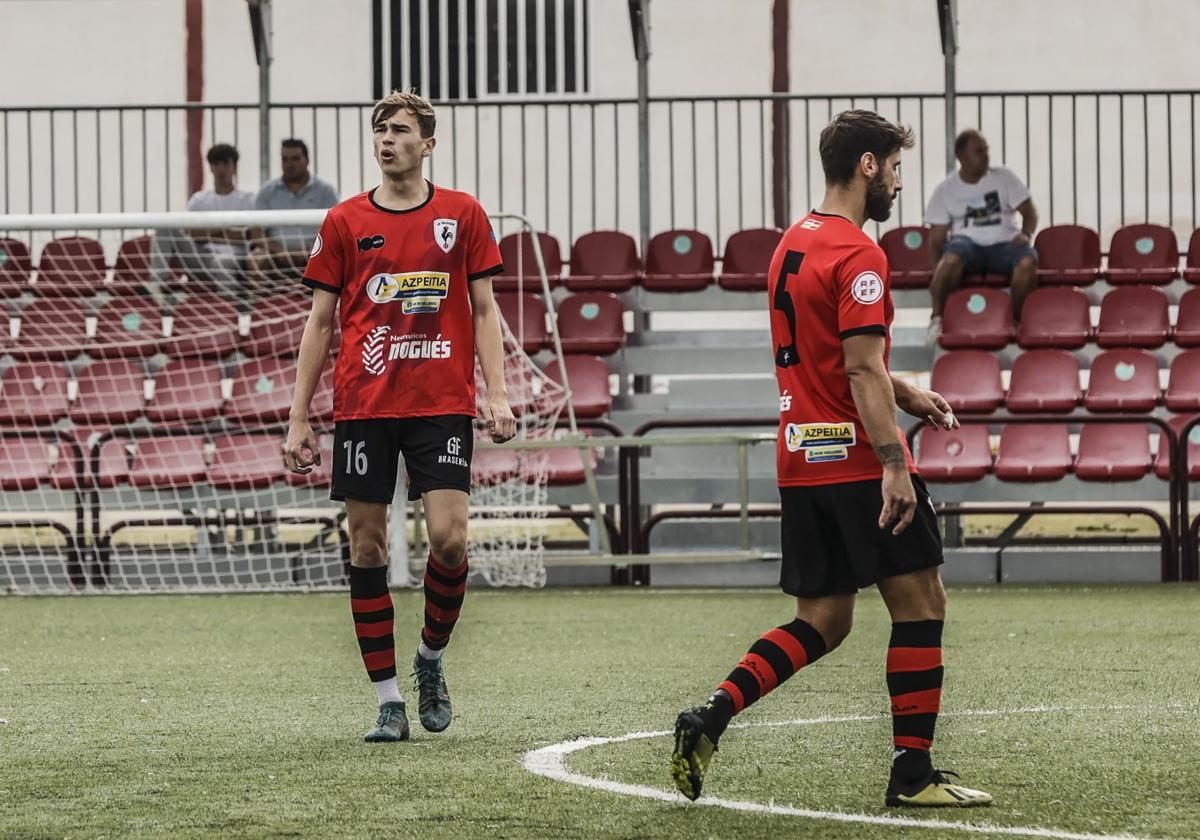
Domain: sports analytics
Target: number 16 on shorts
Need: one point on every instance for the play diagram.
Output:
(355, 457)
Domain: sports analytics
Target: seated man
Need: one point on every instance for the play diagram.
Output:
(977, 206)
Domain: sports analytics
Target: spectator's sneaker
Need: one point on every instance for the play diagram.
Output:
(935, 330)
(934, 791)
(695, 742)
(434, 700)
(391, 726)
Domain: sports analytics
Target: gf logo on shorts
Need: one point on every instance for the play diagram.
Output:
(453, 453)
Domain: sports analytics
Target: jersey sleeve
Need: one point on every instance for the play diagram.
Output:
(483, 254)
(862, 292)
(327, 267)
(1017, 191)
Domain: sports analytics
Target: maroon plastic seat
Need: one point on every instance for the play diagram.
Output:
(63, 475)
(131, 270)
(24, 463)
(1033, 452)
(1143, 254)
(245, 462)
(516, 250)
(34, 393)
(277, 325)
(262, 392)
(126, 326)
(588, 378)
(204, 325)
(70, 267)
(51, 330)
(678, 261)
(1191, 271)
(1113, 452)
(977, 318)
(525, 314)
(1055, 316)
(747, 258)
(15, 267)
(1162, 458)
(167, 462)
(1123, 380)
(110, 391)
(186, 390)
(1187, 321)
(1133, 316)
(604, 260)
(591, 322)
(1068, 255)
(969, 380)
(1044, 380)
(962, 454)
(113, 467)
(995, 281)
(321, 474)
(1183, 387)
(907, 250)
(492, 466)
(564, 467)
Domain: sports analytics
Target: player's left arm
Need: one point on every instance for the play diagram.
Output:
(489, 345)
(919, 402)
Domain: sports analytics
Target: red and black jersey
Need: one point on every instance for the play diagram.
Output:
(402, 277)
(828, 281)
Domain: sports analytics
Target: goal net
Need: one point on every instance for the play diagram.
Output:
(147, 372)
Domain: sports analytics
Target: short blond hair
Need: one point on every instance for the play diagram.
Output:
(410, 101)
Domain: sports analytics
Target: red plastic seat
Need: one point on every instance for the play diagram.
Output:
(126, 326)
(747, 258)
(907, 250)
(1133, 316)
(1187, 321)
(977, 318)
(1183, 388)
(1033, 452)
(51, 330)
(564, 467)
(1044, 380)
(204, 325)
(1113, 452)
(167, 462)
(1162, 459)
(321, 474)
(113, 466)
(70, 267)
(1056, 316)
(678, 261)
(1123, 380)
(262, 392)
(969, 380)
(1068, 255)
(245, 462)
(962, 454)
(277, 325)
(24, 463)
(604, 260)
(492, 466)
(15, 267)
(591, 322)
(588, 378)
(186, 390)
(1191, 271)
(131, 270)
(63, 475)
(516, 250)
(109, 391)
(525, 315)
(1143, 254)
(31, 394)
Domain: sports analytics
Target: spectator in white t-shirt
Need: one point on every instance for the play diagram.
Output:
(973, 228)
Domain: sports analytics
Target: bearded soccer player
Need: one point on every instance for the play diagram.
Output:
(411, 265)
(854, 511)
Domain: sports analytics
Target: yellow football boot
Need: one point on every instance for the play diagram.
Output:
(935, 791)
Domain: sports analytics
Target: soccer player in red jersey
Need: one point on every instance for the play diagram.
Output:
(410, 264)
(854, 511)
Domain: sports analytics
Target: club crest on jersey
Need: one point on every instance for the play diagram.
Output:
(417, 291)
(445, 232)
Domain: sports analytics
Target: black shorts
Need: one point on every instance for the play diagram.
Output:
(437, 454)
(832, 543)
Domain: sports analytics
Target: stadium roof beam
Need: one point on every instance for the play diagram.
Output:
(260, 30)
(948, 20)
(639, 13)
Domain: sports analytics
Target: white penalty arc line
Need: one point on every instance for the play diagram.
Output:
(551, 762)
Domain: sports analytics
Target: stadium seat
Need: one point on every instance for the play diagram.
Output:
(24, 463)
(70, 267)
(977, 318)
(1033, 452)
(245, 462)
(746, 259)
(1133, 316)
(126, 326)
(969, 380)
(186, 390)
(166, 462)
(565, 467)
(1143, 254)
(603, 260)
(1068, 255)
(131, 270)
(678, 261)
(591, 322)
(491, 466)
(1191, 271)
(51, 330)
(110, 391)
(1044, 380)
(588, 377)
(907, 250)
(962, 454)
(113, 465)
(516, 250)
(1187, 321)
(525, 315)
(15, 267)
(1113, 452)
(33, 393)
(277, 325)
(203, 325)
(1055, 316)
(1162, 459)
(1183, 387)
(262, 392)
(321, 474)
(1123, 380)
(63, 474)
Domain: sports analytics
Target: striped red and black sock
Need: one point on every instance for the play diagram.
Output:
(444, 590)
(914, 680)
(776, 655)
(374, 619)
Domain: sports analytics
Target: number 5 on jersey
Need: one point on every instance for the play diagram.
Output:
(357, 464)
(786, 355)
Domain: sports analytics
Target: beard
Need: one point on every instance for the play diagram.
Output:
(879, 200)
